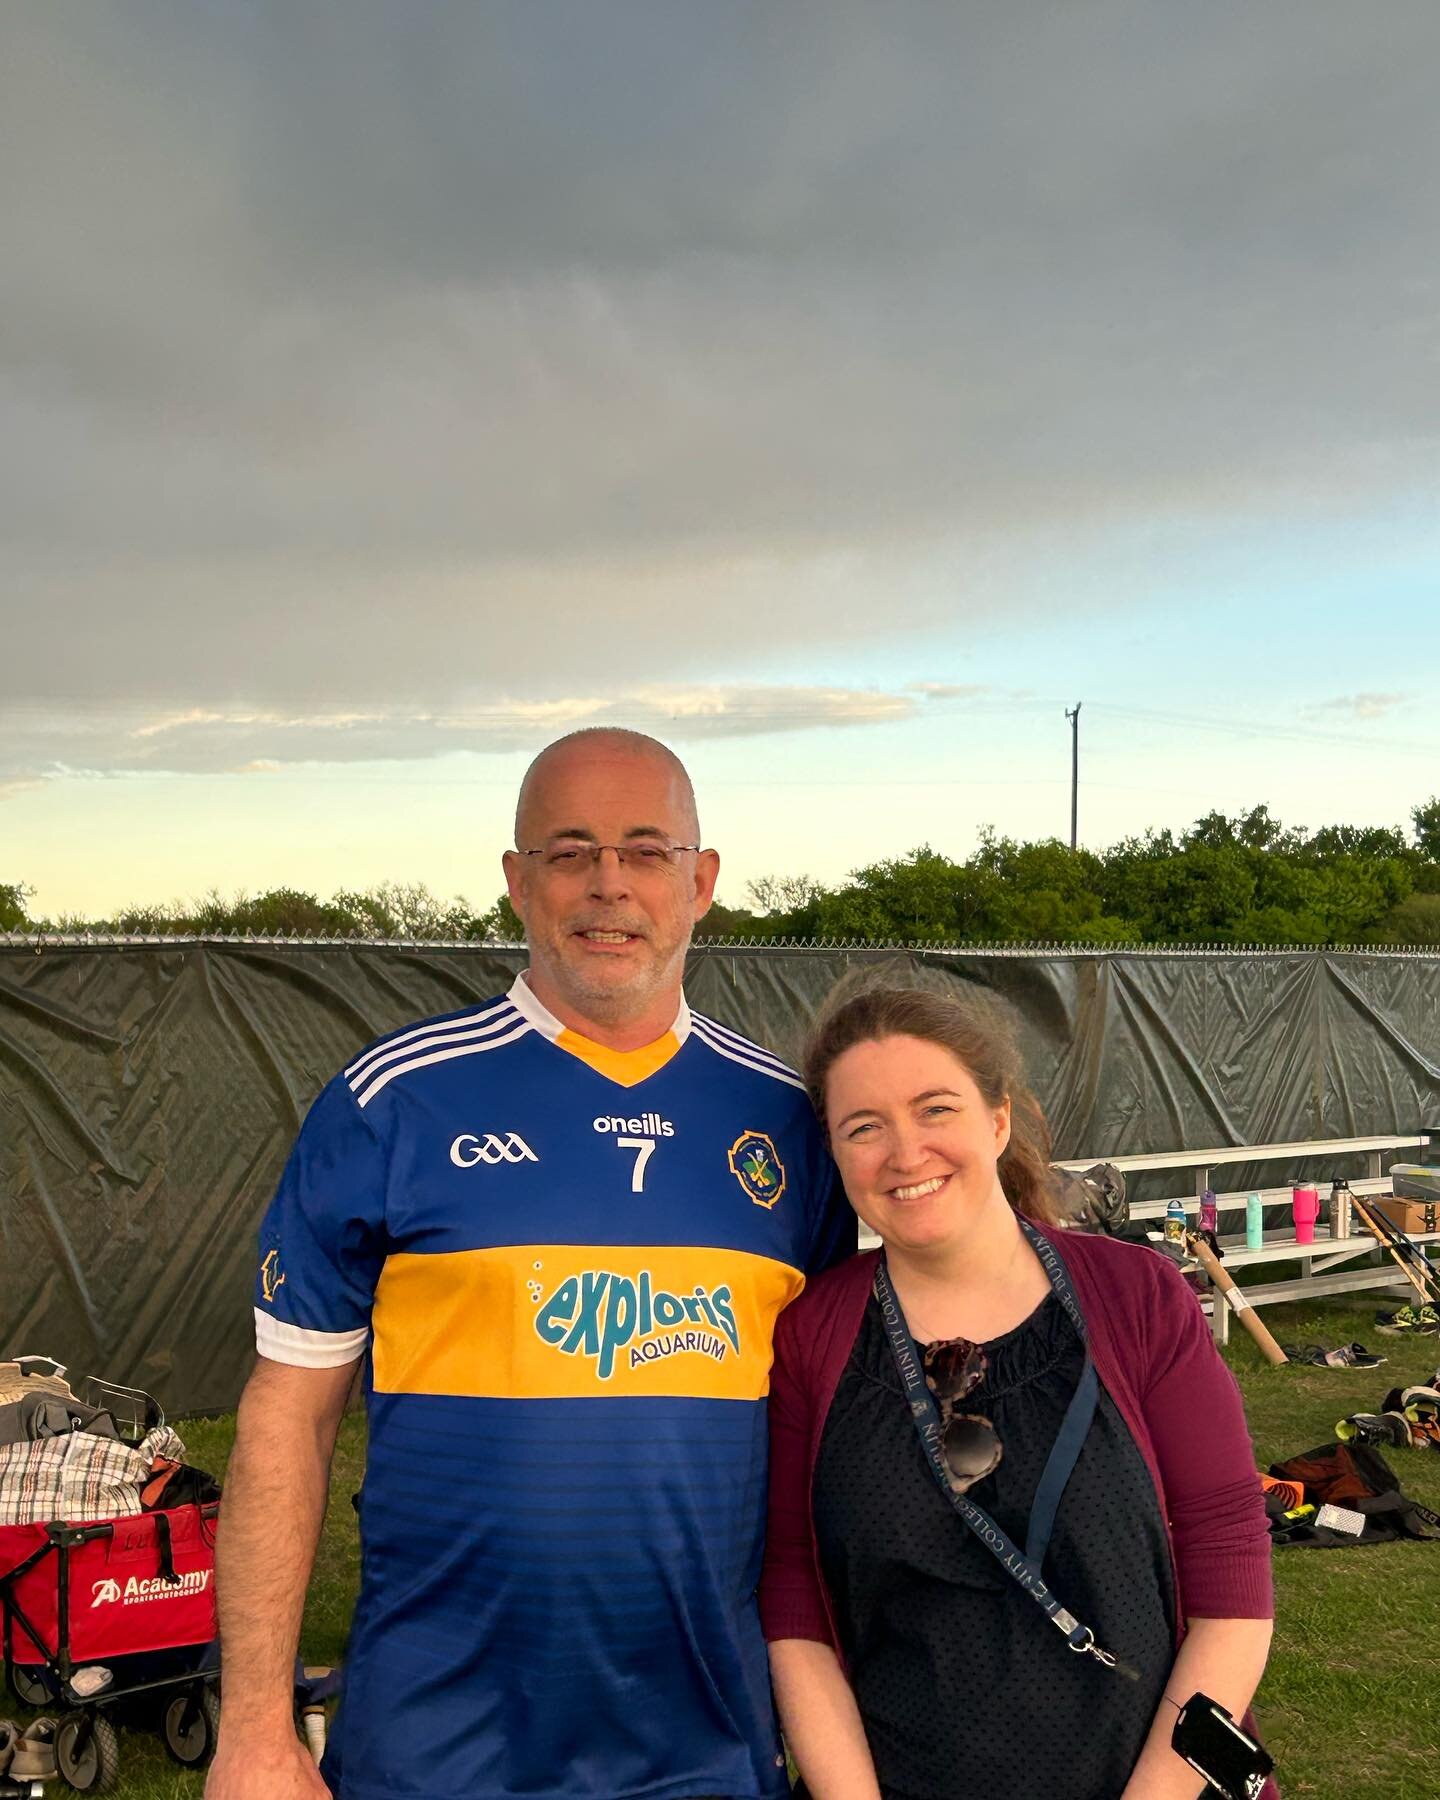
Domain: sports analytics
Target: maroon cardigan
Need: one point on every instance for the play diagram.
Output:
(1156, 1359)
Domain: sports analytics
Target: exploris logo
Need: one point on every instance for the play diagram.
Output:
(104, 1593)
(599, 1314)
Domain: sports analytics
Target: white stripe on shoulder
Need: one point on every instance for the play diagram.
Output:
(438, 1056)
(743, 1044)
(502, 1019)
(721, 1048)
(304, 1349)
(430, 1029)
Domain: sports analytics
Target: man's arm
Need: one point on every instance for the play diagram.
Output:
(276, 1487)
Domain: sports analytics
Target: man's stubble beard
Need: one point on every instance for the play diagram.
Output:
(610, 1002)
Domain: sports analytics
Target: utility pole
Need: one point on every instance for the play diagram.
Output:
(1074, 718)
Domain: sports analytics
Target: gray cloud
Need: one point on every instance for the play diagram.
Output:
(1358, 706)
(44, 745)
(404, 360)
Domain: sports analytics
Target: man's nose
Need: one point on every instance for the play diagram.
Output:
(609, 878)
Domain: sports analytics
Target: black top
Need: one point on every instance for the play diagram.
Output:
(965, 1687)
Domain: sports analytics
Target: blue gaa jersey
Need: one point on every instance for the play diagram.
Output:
(564, 1264)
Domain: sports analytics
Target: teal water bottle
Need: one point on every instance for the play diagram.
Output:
(1254, 1223)
(1175, 1222)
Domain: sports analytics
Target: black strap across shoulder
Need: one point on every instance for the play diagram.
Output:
(1025, 1569)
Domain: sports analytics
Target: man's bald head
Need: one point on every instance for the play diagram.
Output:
(594, 745)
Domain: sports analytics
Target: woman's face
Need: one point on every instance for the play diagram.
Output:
(914, 1139)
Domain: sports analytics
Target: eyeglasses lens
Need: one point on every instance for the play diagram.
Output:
(972, 1449)
(954, 1368)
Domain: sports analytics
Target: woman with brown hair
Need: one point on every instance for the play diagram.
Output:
(1060, 1392)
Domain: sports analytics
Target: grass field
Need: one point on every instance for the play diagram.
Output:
(1350, 1705)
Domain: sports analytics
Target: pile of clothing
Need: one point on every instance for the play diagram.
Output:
(1341, 1494)
(62, 1459)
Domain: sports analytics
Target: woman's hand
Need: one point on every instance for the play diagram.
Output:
(1223, 1658)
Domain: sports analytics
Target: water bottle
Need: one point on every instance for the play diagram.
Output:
(1175, 1222)
(1254, 1223)
(1340, 1208)
(1209, 1215)
(1305, 1206)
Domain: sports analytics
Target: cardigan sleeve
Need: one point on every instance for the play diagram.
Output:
(792, 1603)
(1196, 1422)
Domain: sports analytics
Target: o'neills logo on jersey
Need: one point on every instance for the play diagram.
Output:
(602, 1315)
(135, 1591)
(646, 1125)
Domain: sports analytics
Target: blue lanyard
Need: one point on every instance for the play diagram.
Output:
(1064, 1453)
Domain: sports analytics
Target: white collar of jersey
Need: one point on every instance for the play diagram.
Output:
(522, 998)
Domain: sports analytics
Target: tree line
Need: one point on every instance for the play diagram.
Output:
(1246, 879)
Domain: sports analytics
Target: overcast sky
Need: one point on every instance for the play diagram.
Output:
(838, 390)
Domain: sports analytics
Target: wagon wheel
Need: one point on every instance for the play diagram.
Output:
(29, 1687)
(87, 1752)
(191, 1725)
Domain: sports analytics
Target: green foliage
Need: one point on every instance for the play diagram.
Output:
(13, 895)
(1426, 820)
(1246, 879)
(396, 909)
(1413, 921)
(391, 909)
(730, 922)
(501, 924)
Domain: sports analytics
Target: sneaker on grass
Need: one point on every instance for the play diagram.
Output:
(1390, 1428)
(1409, 1321)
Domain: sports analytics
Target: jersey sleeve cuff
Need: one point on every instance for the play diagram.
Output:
(304, 1349)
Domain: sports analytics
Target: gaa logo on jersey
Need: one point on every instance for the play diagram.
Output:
(755, 1163)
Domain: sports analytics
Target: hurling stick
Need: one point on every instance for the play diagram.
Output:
(1413, 1264)
(1234, 1299)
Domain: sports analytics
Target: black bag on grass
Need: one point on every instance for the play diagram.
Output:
(1357, 1477)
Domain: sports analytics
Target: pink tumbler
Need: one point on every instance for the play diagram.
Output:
(1305, 1203)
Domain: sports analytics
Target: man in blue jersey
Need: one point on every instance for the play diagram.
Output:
(557, 1228)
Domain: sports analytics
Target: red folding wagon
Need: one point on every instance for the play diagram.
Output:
(103, 1615)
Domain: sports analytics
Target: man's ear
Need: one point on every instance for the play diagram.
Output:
(707, 873)
(513, 864)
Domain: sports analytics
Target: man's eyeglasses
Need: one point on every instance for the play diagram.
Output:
(954, 1368)
(568, 856)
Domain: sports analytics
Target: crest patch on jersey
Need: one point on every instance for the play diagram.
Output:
(755, 1163)
(271, 1278)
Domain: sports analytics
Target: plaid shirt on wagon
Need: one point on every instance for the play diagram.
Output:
(79, 1477)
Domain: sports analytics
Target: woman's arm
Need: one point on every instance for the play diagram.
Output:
(821, 1721)
(1218, 1531)
(1223, 1658)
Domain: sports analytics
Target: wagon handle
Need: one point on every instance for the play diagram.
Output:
(51, 1366)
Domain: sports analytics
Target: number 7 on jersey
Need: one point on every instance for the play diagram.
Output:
(643, 1148)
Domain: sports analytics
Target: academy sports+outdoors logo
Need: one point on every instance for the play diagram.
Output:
(467, 1150)
(598, 1314)
(136, 1590)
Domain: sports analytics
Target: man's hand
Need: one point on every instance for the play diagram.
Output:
(249, 1768)
(270, 1519)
